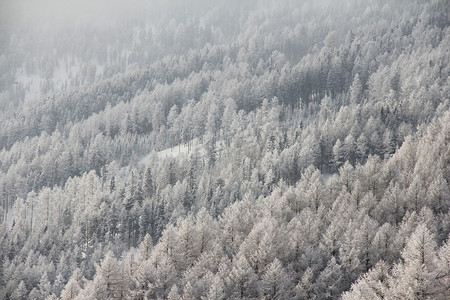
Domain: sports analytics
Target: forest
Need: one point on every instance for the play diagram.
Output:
(225, 149)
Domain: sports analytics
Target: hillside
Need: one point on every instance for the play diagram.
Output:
(226, 150)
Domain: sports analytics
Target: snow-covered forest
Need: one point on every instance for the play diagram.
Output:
(227, 149)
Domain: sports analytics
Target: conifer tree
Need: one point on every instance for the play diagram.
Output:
(275, 283)
(416, 276)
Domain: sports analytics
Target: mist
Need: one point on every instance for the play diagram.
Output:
(72, 12)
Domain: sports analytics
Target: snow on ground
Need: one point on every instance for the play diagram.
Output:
(34, 82)
(61, 78)
(326, 176)
(122, 174)
(180, 151)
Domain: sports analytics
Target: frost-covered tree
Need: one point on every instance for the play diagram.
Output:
(242, 280)
(373, 285)
(73, 286)
(416, 276)
(303, 289)
(328, 283)
(109, 281)
(216, 290)
(356, 90)
(276, 282)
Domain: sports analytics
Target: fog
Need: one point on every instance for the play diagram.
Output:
(74, 42)
(59, 14)
(70, 12)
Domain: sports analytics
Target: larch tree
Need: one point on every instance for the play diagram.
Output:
(207, 229)
(364, 236)
(349, 148)
(349, 254)
(187, 247)
(45, 287)
(328, 283)
(276, 282)
(356, 90)
(304, 288)
(174, 294)
(380, 248)
(242, 280)
(142, 277)
(372, 285)
(362, 148)
(338, 155)
(263, 244)
(391, 208)
(416, 276)
(109, 281)
(145, 248)
(73, 286)
(443, 272)
(216, 290)
(188, 292)
(20, 292)
(165, 277)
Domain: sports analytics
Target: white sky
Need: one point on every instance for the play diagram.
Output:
(69, 12)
